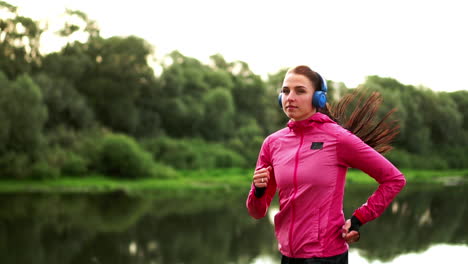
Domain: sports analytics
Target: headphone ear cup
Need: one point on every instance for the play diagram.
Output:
(280, 100)
(319, 99)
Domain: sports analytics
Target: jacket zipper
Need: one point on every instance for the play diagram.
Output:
(293, 211)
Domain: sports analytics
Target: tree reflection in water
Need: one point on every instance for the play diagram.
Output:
(205, 226)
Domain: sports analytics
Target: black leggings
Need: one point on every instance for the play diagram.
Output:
(338, 259)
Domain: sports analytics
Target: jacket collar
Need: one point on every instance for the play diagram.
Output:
(309, 122)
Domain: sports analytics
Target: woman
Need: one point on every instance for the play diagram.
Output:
(306, 162)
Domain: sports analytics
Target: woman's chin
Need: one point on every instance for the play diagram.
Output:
(291, 116)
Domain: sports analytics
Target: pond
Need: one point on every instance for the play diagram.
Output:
(426, 223)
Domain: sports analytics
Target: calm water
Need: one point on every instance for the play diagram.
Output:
(425, 224)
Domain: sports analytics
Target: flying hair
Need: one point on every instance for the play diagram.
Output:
(357, 112)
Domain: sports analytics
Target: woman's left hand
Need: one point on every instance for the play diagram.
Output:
(350, 236)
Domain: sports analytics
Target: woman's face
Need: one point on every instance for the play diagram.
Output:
(297, 97)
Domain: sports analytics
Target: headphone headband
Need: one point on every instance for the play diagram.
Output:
(323, 83)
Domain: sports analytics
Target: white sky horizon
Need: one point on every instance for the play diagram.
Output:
(421, 43)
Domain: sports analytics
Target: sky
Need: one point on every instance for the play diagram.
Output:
(422, 43)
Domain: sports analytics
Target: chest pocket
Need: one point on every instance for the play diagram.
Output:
(314, 151)
(317, 145)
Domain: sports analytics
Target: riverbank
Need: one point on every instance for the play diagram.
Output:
(209, 180)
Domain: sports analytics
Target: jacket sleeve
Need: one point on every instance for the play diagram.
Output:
(353, 152)
(258, 206)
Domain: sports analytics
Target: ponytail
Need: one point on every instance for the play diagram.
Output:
(361, 120)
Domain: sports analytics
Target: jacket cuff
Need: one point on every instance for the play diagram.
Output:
(359, 217)
(355, 224)
(259, 192)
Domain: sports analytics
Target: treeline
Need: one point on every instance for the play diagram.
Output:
(98, 107)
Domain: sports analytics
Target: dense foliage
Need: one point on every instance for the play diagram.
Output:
(98, 107)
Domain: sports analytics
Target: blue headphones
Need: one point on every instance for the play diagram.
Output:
(319, 99)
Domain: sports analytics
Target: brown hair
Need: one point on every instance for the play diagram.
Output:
(361, 119)
(313, 76)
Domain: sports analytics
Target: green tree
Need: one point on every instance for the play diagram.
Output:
(113, 75)
(250, 95)
(87, 25)
(183, 86)
(218, 122)
(461, 101)
(22, 115)
(274, 84)
(66, 106)
(19, 42)
(150, 124)
(116, 79)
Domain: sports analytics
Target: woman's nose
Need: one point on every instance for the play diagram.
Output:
(291, 97)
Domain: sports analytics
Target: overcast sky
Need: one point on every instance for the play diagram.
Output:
(416, 42)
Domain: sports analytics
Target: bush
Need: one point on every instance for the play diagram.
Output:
(428, 162)
(42, 170)
(248, 149)
(222, 157)
(192, 153)
(404, 159)
(172, 152)
(163, 171)
(121, 156)
(75, 165)
(456, 157)
(399, 158)
(63, 160)
(14, 166)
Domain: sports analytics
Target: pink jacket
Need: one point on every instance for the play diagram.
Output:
(309, 160)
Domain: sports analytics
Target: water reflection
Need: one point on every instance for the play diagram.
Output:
(442, 253)
(211, 227)
(421, 216)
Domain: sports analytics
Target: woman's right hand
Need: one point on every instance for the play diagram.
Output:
(261, 177)
(349, 234)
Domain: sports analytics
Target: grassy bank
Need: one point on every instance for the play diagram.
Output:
(416, 176)
(209, 180)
